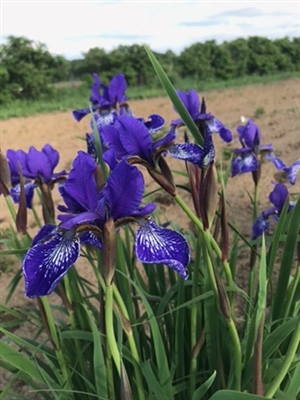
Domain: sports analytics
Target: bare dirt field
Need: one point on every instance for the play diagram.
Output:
(275, 108)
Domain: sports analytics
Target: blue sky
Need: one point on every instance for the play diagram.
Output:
(70, 28)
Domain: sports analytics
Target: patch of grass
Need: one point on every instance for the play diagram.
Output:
(68, 97)
(259, 112)
(6, 262)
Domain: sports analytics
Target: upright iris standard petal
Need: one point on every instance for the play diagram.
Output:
(46, 263)
(248, 134)
(81, 185)
(38, 164)
(135, 137)
(117, 88)
(278, 196)
(156, 245)
(17, 159)
(190, 100)
(124, 190)
(51, 154)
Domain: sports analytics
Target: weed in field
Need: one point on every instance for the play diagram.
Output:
(259, 112)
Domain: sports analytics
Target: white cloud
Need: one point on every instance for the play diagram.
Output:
(70, 27)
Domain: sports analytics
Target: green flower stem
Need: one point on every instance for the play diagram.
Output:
(194, 319)
(56, 341)
(237, 353)
(252, 268)
(109, 323)
(11, 207)
(289, 357)
(36, 217)
(207, 237)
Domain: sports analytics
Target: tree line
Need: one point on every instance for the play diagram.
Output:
(28, 69)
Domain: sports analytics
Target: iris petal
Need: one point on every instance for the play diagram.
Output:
(46, 263)
(15, 193)
(278, 196)
(260, 225)
(91, 239)
(187, 152)
(277, 162)
(292, 171)
(162, 246)
(124, 190)
(244, 162)
(79, 114)
(155, 123)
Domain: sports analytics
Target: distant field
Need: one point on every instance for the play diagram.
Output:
(70, 95)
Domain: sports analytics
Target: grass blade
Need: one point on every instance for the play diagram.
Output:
(169, 88)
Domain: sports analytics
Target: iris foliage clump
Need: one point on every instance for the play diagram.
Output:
(160, 319)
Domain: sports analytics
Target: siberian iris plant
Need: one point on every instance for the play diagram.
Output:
(197, 111)
(87, 209)
(247, 159)
(278, 198)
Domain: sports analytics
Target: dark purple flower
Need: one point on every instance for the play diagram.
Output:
(36, 166)
(292, 171)
(130, 137)
(198, 113)
(278, 198)
(56, 249)
(194, 153)
(105, 99)
(247, 158)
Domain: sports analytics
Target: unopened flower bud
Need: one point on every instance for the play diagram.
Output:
(109, 251)
(209, 195)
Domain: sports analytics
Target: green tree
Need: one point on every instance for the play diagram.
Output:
(194, 62)
(26, 68)
(239, 53)
(263, 56)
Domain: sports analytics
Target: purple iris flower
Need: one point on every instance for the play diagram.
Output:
(56, 248)
(200, 156)
(37, 168)
(130, 137)
(105, 99)
(292, 171)
(246, 159)
(198, 113)
(278, 198)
